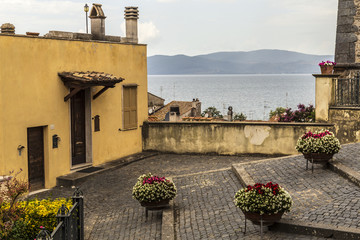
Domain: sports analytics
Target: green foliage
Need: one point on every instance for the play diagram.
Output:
(150, 188)
(10, 191)
(240, 117)
(277, 112)
(21, 220)
(212, 112)
(322, 141)
(262, 200)
(302, 114)
(18, 231)
(36, 213)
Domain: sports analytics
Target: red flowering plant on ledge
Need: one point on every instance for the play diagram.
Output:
(151, 188)
(322, 141)
(327, 67)
(263, 199)
(327, 63)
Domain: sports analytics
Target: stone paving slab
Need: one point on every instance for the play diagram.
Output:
(204, 205)
(204, 209)
(322, 197)
(109, 207)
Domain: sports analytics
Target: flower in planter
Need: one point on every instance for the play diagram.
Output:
(263, 199)
(327, 63)
(151, 188)
(322, 141)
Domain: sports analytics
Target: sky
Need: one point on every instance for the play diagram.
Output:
(193, 27)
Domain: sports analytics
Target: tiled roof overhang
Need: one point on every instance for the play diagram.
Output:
(78, 81)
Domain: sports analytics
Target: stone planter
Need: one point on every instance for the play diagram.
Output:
(267, 219)
(327, 69)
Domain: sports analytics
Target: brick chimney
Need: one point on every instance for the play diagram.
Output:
(97, 22)
(8, 28)
(131, 19)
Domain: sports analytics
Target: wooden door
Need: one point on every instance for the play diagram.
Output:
(78, 143)
(35, 143)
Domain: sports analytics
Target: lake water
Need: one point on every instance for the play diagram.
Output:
(253, 95)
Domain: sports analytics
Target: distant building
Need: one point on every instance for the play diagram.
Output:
(175, 111)
(154, 103)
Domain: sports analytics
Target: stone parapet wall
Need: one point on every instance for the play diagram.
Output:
(226, 138)
(346, 121)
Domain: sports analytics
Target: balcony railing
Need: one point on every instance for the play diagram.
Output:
(347, 92)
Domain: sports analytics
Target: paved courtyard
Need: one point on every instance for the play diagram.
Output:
(204, 207)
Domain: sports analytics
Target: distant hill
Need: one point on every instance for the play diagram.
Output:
(253, 62)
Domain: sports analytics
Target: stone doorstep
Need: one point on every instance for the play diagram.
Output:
(304, 228)
(76, 178)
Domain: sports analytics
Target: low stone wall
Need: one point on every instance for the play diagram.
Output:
(226, 138)
(347, 124)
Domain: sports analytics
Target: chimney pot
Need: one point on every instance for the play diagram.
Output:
(8, 28)
(97, 17)
(131, 17)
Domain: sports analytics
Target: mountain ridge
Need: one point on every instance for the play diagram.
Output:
(263, 61)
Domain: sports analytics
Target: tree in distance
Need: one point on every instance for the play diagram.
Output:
(212, 112)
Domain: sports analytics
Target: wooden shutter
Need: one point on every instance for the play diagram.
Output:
(130, 107)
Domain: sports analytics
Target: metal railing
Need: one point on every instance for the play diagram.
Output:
(70, 221)
(347, 92)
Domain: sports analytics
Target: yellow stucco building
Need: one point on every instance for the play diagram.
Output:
(55, 115)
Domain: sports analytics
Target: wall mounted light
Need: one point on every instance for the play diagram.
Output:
(56, 139)
(20, 148)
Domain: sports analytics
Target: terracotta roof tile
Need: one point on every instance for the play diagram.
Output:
(184, 107)
(90, 77)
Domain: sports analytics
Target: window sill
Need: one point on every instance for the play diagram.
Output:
(127, 129)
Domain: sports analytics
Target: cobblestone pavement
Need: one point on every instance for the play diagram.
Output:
(204, 209)
(322, 197)
(204, 205)
(349, 156)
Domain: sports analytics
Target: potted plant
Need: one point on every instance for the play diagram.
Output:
(318, 146)
(153, 191)
(266, 202)
(327, 67)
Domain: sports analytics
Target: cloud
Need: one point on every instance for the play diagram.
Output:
(166, 1)
(148, 32)
(39, 7)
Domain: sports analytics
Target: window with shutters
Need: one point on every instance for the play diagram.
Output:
(130, 107)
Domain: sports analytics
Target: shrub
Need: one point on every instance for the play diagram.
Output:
(21, 220)
(322, 141)
(36, 213)
(277, 112)
(263, 199)
(302, 114)
(150, 188)
(10, 191)
(240, 117)
(212, 112)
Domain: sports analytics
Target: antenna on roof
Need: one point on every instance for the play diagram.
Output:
(174, 91)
